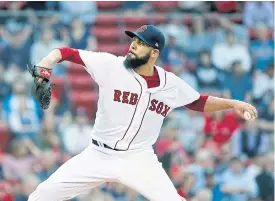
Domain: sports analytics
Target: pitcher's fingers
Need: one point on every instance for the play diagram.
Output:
(253, 109)
(251, 112)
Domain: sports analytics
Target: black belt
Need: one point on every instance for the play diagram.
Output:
(99, 144)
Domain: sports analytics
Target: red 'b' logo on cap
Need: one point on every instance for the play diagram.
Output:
(142, 29)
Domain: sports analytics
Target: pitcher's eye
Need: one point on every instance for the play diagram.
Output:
(141, 42)
(138, 41)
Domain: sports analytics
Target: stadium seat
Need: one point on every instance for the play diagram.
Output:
(107, 33)
(159, 19)
(82, 81)
(83, 96)
(164, 5)
(226, 6)
(107, 5)
(85, 99)
(3, 4)
(4, 137)
(138, 20)
(108, 20)
(76, 69)
(59, 87)
(58, 81)
(7, 4)
(117, 49)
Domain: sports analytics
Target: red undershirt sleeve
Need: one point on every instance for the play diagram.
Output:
(70, 54)
(197, 105)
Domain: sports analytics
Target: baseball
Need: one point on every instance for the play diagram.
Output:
(247, 116)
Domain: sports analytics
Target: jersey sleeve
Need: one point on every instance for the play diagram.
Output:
(198, 105)
(97, 64)
(70, 54)
(184, 93)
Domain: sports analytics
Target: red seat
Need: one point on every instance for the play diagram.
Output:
(58, 81)
(76, 69)
(117, 49)
(59, 87)
(4, 137)
(85, 99)
(136, 20)
(3, 4)
(107, 20)
(83, 96)
(7, 4)
(226, 6)
(159, 19)
(108, 4)
(81, 82)
(107, 33)
(164, 5)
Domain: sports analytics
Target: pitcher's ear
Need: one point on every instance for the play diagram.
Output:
(155, 53)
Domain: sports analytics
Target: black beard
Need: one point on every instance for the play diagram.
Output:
(133, 63)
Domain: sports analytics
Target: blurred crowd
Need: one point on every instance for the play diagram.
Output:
(209, 156)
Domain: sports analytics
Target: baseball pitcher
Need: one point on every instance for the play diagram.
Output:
(135, 96)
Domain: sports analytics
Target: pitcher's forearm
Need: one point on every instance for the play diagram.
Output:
(51, 59)
(215, 104)
(245, 110)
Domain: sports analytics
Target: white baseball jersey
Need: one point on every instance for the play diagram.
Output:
(129, 117)
(130, 114)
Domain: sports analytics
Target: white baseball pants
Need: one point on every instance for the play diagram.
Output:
(140, 171)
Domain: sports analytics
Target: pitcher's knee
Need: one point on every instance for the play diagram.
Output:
(44, 192)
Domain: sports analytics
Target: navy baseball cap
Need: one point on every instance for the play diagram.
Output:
(149, 34)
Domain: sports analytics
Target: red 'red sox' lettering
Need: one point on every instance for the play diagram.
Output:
(159, 107)
(132, 99)
(117, 94)
(125, 97)
(153, 105)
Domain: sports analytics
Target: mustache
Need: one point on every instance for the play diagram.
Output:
(132, 53)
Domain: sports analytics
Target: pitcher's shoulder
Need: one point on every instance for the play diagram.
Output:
(100, 55)
(162, 70)
(171, 78)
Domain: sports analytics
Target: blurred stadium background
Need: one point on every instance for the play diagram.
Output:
(221, 48)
